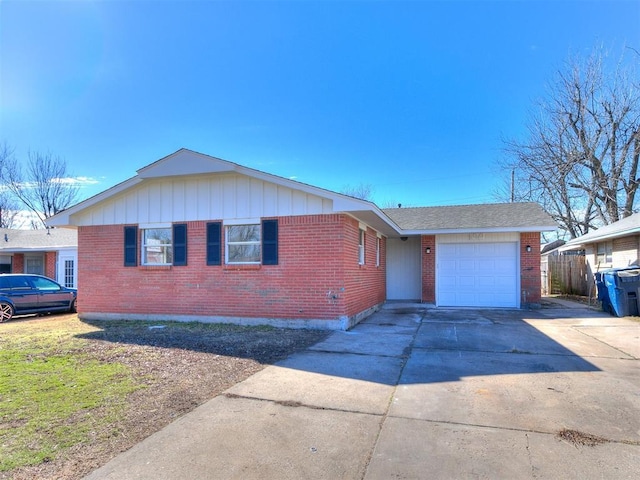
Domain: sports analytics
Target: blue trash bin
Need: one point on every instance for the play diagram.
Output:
(603, 292)
(622, 286)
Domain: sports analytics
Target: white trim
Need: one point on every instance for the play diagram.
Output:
(149, 226)
(241, 221)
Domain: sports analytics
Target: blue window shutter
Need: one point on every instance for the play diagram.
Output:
(214, 240)
(180, 244)
(270, 242)
(131, 246)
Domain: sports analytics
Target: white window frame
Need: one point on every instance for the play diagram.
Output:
(228, 243)
(361, 244)
(377, 251)
(166, 249)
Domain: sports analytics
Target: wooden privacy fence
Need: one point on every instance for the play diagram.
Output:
(566, 275)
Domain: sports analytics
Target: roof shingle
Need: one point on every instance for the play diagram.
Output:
(490, 216)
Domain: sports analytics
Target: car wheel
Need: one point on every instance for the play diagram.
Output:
(6, 311)
(72, 307)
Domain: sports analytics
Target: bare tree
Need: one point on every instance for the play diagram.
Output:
(580, 159)
(363, 191)
(44, 186)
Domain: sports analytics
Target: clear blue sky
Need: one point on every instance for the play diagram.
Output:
(410, 97)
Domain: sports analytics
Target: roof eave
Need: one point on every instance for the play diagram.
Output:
(444, 231)
(580, 242)
(63, 219)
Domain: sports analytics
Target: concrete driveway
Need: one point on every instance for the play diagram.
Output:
(423, 393)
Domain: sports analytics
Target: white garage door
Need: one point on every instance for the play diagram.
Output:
(477, 275)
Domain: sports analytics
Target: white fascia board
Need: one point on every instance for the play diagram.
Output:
(575, 246)
(584, 240)
(63, 219)
(443, 231)
(9, 251)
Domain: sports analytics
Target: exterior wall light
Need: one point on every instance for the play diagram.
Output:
(528, 248)
(427, 250)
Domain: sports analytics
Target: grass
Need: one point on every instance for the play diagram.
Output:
(50, 393)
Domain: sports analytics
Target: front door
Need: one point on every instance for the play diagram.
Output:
(68, 269)
(404, 279)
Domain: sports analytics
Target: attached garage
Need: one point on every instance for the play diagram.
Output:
(470, 255)
(477, 275)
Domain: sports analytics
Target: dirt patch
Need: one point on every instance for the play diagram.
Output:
(181, 366)
(577, 438)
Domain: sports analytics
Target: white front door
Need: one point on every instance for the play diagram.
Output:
(477, 275)
(404, 279)
(68, 269)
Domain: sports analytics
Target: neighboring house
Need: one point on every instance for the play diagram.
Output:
(194, 237)
(612, 246)
(52, 252)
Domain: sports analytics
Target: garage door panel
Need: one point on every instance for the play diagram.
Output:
(448, 265)
(480, 274)
(505, 283)
(466, 281)
(486, 265)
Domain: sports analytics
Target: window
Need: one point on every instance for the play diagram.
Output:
(157, 248)
(5, 263)
(243, 244)
(604, 253)
(377, 251)
(250, 243)
(34, 264)
(69, 273)
(160, 245)
(41, 283)
(361, 247)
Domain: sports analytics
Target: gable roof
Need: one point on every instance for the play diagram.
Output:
(627, 226)
(494, 217)
(185, 162)
(12, 240)
(513, 217)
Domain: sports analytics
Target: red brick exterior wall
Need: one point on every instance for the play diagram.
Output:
(530, 287)
(317, 276)
(17, 263)
(50, 264)
(428, 269)
(364, 285)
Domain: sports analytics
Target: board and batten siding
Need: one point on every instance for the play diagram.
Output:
(203, 197)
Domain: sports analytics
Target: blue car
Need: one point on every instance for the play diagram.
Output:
(22, 294)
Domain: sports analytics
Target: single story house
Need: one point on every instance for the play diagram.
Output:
(616, 245)
(194, 237)
(52, 252)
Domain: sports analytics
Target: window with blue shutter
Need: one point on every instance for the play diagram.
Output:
(270, 242)
(214, 240)
(130, 246)
(180, 244)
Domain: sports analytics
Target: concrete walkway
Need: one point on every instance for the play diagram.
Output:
(422, 393)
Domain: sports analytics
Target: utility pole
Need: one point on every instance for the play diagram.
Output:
(513, 187)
